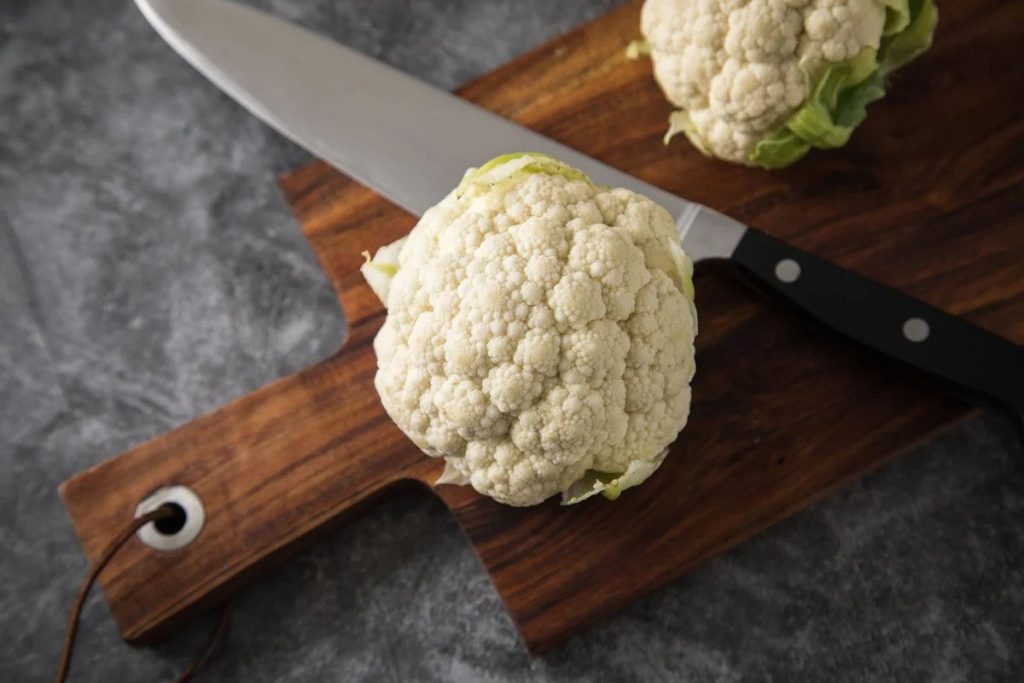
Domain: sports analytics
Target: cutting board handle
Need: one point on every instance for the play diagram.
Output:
(268, 469)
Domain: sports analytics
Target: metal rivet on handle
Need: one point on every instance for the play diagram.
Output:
(916, 330)
(787, 270)
(184, 498)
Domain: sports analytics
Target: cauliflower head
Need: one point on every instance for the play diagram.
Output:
(761, 82)
(539, 333)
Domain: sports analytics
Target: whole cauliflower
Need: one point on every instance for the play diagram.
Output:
(539, 334)
(760, 82)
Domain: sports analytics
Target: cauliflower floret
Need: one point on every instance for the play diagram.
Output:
(539, 333)
(738, 69)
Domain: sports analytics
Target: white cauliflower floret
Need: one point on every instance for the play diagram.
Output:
(539, 333)
(738, 69)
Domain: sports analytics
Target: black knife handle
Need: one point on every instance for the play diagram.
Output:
(967, 359)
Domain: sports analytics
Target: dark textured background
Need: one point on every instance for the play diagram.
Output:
(150, 271)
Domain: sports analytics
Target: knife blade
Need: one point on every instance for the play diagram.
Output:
(412, 142)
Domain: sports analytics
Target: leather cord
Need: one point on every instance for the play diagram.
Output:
(162, 512)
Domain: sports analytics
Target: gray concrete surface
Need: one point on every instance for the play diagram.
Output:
(149, 271)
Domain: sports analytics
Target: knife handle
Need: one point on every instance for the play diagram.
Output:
(965, 358)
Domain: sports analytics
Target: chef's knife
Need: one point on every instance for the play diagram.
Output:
(412, 142)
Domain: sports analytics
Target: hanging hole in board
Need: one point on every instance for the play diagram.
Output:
(178, 530)
(169, 526)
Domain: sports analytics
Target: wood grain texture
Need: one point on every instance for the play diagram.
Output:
(926, 198)
(272, 469)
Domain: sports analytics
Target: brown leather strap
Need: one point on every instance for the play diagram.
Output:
(216, 635)
(162, 512)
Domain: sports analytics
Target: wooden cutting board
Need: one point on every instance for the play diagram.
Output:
(927, 198)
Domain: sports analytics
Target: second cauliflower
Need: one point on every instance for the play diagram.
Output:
(761, 82)
(539, 334)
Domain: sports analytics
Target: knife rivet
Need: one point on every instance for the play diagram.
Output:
(916, 330)
(787, 270)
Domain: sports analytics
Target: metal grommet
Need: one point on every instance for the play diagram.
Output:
(787, 270)
(184, 498)
(916, 330)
